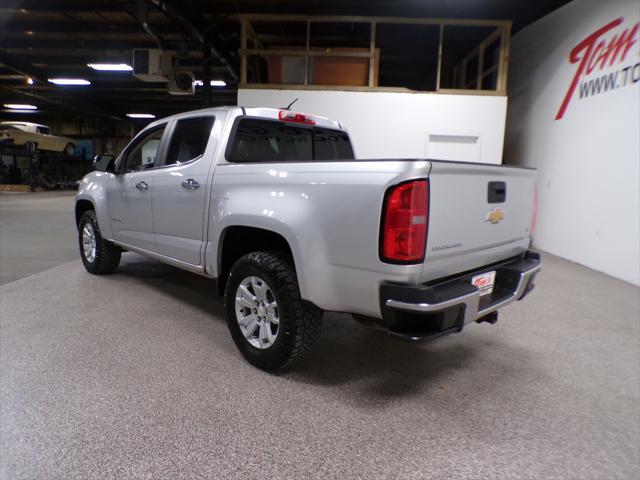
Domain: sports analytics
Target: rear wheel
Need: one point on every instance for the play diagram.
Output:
(269, 322)
(99, 256)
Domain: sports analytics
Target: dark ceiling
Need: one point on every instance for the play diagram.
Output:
(57, 38)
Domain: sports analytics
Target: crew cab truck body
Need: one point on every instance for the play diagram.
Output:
(274, 205)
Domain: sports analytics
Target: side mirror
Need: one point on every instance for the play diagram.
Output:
(104, 162)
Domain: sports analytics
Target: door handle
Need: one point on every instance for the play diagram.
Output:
(190, 184)
(142, 186)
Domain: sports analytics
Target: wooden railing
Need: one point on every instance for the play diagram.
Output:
(461, 83)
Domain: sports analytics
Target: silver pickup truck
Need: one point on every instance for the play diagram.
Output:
(274, 205)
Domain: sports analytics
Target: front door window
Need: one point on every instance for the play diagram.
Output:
(142, 155)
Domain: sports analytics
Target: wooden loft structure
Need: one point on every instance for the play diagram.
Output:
(478, 68)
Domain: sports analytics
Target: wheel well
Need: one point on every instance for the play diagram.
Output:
(82, 206)
(238, 241)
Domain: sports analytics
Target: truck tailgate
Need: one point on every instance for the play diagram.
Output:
(478, 214)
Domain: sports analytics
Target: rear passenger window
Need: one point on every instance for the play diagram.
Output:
(258, 140)
(267, 141)
(189, 139)
(331, 144)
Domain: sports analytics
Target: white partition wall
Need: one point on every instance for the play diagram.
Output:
(409, 125)
(574, 113)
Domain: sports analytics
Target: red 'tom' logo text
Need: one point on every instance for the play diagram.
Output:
(596, 52)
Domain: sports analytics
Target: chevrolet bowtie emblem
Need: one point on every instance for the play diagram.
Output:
(494, 216)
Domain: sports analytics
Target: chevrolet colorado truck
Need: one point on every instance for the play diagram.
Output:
(274, 205)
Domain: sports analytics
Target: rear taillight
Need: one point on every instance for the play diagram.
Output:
(294, 117)
(534, 216)
(405, 216)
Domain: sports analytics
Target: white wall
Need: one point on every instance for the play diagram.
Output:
(588, 160)
(403, 125)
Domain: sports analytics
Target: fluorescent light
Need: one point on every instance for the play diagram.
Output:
(111, 67)
(141, 115)
(213, 83)
(20, 111)
(20, 106)
(69, 81)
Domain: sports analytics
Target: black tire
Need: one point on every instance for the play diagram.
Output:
(300, 321)
(107, 256)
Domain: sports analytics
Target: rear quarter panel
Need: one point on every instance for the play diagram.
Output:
(329, 212)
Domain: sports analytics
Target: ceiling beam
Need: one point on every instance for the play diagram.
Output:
(134, 87)
(92, 28)
(63, 65)
(55, 55)
(65, 105)
(196, 33)
(20, 66)
(54, 6)
(76, 44)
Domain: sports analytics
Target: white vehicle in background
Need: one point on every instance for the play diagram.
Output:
(18, 134)
(274, 205)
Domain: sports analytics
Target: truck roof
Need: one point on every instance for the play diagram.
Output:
(263, 112)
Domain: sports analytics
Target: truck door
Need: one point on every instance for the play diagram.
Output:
(180, 191)
(129, 194)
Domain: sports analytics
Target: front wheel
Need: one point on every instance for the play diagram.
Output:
(269, 323)
(99, 256)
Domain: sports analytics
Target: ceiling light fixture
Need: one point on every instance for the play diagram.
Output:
(213, 83)
(110, 67)
(20, 106)
(69, 81)
(141, 115)
(19, 111)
